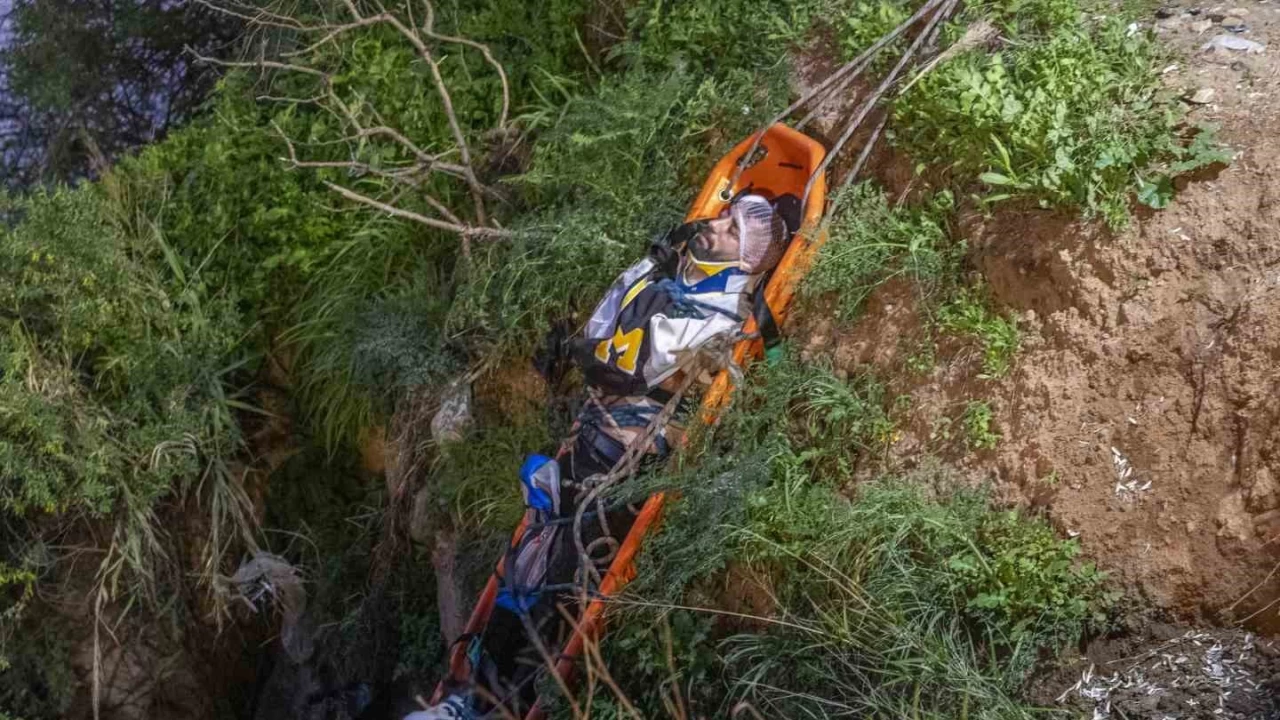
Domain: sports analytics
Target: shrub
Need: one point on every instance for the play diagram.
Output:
(912, 607)
(115, 356)
(1069, 112)
(910, 599)
(120, 369)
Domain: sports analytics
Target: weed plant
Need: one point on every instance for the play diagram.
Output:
(977, 420)
(1069, 111)
(871, 242)
(905, 598)
(968, 313)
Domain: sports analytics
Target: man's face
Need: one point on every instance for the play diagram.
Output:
(718, 241)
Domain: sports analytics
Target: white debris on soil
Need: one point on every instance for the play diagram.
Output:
(1193, 673)
(1231, 42)
(1128, 486)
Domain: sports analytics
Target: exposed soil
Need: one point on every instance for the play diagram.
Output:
(1141, 414)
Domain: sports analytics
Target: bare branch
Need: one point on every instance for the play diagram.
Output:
(867, 147)
(353, 113)
(260, 16)
(259, 64)
(870, 103)
(477, 191)
(426, 158)
(840, 78)
(287, 100)
(465, 231)
(442, 89)
(351, 7)
(440, 208)
(412, 176)
(334, 32)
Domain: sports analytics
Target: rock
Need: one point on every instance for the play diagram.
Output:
(1200, 27)
(454, 416)
(1233, 43)
(1264, 494)
(1134, 313)
(1203, 96)
(1217, 15)
(1235, 25)
(1233, 521)
(1166, 12)
(269, 579)
(1237, 12)
(421, 527)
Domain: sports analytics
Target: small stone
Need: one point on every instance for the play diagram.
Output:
(1238, 12)
(1200, 27)
(451, 421)
(1194, 11)
(1217, 15)
(1234, 521)
(1166, 12)
(1203, 96)
(1231, 42)
(1263, 493)
(1134, 313)
(1235, 25)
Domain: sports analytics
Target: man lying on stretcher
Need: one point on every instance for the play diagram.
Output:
(675, 312)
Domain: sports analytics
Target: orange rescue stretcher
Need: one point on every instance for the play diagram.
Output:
(789, 159)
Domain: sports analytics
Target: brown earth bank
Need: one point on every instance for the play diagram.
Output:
(1141, 415)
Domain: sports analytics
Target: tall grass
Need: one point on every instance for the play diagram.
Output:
(907, 597)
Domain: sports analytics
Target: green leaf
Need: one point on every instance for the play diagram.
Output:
(995, 178)
(1156, 194)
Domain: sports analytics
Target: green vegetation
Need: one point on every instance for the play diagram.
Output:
(911, 599)
(1069, 112)
(968, 313)
(871, 243)
(119, 363)
(978, 433)
(142, 314)
(116, 361)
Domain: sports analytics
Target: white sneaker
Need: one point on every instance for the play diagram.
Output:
(452, 707)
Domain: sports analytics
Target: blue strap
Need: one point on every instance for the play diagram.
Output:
(683, 300)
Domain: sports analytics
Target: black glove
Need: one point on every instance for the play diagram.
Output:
(665, 250)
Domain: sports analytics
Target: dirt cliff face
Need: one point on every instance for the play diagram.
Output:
(1142, 413)
(1156, 360)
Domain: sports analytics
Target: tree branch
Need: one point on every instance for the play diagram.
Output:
(428, 27)
(354, 112)
(259, 64)
(463, 230)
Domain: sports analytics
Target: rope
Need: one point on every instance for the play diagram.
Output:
(839, 81)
